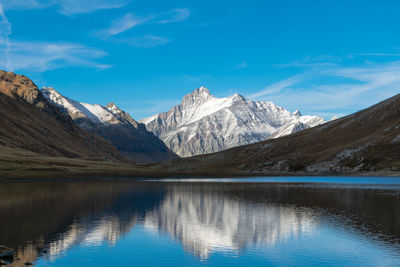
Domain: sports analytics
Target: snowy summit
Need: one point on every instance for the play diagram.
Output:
(203, 123)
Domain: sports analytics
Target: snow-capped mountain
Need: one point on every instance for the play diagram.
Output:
(114, 125)
(93, 114)
(203, 123)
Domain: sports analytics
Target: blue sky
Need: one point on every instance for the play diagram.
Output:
(322, 57)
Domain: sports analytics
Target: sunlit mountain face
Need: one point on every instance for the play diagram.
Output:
(196, 222)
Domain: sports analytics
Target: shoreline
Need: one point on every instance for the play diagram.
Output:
(23, 165)
(176, 175)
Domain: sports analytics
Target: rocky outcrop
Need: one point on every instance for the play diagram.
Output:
(18, 87)
(21, 88)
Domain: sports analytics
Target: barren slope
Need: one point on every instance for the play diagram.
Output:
(29, 122)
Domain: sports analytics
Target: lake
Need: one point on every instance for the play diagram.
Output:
(280, 221)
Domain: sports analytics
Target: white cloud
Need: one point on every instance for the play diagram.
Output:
(122, 24)
(278, 86)
(341, 89)
(24, 4)
(313, 62)
(66, 7)
(5, 32)
(146, 41)
(175, 15)
(129, 21)
(43, 56)
(69, 7)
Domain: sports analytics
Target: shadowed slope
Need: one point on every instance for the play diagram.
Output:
(29, 122)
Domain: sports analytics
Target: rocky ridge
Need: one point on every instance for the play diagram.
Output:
(114, 125)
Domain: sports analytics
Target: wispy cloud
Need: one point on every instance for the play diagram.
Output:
(335, 90)
(146, 41)
(313, 62)
(24, 4)
(43, 56)
(66, 7)
(5, 32)
(279, 86)
(123, 24)
(175, 15)
(70, 7)
(129, 21)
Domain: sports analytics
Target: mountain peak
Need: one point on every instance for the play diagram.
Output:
(113, 108)
(238, 97)
(201, 91)
(296, 113)
(197, 97)
(50, 91)
(18, 86)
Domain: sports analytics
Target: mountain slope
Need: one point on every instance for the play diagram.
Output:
(114, 125)
(364, 142)
(203, 123)
(29, 122)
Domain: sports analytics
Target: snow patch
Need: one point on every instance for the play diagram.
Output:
(77, 110)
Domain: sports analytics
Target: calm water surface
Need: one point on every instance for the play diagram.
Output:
(232, 222)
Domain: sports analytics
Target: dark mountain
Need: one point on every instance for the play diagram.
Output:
(366, 142)
(29, 122)
(114, 125)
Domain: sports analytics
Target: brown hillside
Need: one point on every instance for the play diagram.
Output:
(29, 122)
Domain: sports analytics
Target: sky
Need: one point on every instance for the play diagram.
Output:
(327, 58)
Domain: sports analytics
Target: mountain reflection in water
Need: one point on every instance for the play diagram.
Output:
(205, 221)
(45, 220)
